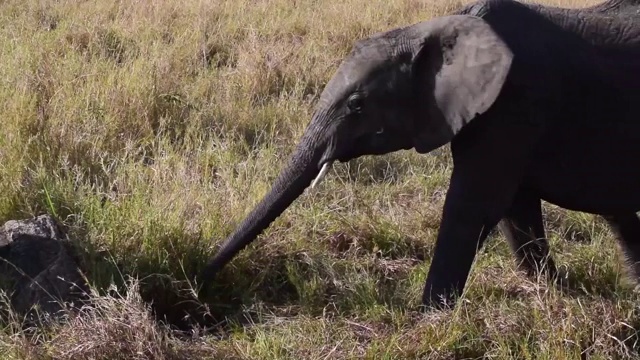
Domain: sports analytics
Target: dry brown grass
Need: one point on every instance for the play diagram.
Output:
(119, 326)
(149, 128)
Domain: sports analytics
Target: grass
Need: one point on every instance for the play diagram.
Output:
(150, 128)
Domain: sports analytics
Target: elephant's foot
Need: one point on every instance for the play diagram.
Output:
(437, 300)
(539, 268)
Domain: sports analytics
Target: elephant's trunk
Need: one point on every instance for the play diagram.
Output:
(301, 169)
(612, 6)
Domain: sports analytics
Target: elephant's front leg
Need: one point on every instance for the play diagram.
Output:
(464, 227)
(523, 227)
(488, 169)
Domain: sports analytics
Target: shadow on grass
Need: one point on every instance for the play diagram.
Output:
(283, 284)
(574, 283)
(174, 301)
(286, 281)
(628, 335)
(579, 282)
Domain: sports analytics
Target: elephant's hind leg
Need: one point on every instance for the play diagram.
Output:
(627, 229)
(522, 226)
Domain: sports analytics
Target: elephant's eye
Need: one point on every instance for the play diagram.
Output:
(355, 103)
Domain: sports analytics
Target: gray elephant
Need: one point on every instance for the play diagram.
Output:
(537, 103)
(614, 7)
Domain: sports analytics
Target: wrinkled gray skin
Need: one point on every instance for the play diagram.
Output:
(537, 103)
(613, 7)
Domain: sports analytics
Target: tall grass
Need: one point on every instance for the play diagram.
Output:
(150, 128)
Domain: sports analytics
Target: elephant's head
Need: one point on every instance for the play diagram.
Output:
(414, 87)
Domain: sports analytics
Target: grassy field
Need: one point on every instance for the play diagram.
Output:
(150, 128)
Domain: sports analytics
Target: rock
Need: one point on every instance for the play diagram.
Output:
(42, 225)
(37, 267)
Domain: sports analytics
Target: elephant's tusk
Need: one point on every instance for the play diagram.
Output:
(323, 172)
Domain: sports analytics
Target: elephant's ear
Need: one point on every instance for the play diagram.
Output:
(459, 66)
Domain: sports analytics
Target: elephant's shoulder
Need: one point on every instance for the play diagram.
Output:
(481, 8)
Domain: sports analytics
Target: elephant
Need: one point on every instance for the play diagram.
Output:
(536, 104)
(614, 7)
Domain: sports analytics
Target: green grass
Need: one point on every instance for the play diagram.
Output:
(149, 130)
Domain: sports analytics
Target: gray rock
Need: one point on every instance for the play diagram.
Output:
(37, 267)
(42, 225)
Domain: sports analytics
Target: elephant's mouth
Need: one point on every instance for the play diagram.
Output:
(369, 144)
(323, 171)
(327, 161)
(384, 141)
